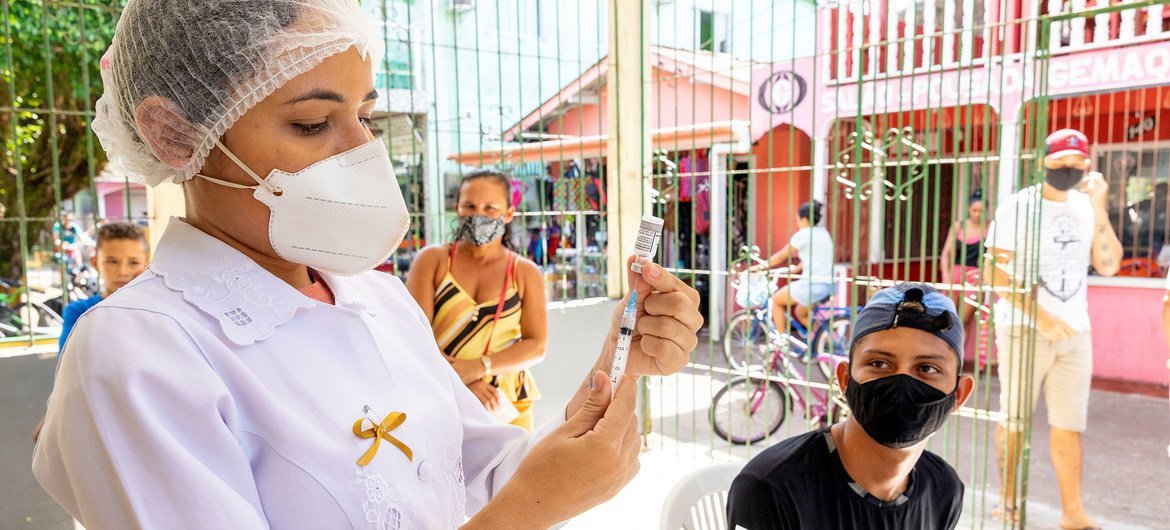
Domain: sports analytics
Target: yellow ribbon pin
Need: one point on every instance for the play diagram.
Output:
(381, 432)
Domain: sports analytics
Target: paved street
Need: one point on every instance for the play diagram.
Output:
(25, 382)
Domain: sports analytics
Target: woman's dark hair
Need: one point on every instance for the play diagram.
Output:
(505, 183)
(976, 196)
(812, 211)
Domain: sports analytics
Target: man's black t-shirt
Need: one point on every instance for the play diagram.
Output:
(801, 483)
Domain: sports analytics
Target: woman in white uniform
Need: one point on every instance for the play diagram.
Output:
(256, 375)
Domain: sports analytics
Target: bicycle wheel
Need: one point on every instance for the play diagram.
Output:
(9, 327)
(732, 416)
(38, 317)
(832, 338)
(745, 342)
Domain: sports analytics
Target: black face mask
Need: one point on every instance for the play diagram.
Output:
(1064, 178)
(898, 411)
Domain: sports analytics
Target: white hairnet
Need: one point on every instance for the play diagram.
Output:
(213, 60)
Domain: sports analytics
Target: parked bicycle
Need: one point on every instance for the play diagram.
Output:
(21, 315)
(751, 407)
(751, 334)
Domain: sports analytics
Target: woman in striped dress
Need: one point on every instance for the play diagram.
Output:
(486, 304)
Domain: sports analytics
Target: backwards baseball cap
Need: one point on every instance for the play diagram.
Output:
(1066, 142)
(911, 305)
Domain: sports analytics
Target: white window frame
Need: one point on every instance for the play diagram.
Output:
(1096, 152)
(716, 16)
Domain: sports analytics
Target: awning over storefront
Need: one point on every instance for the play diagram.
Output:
(698, 99)
(700, 136)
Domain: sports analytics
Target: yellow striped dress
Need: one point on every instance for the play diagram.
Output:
(462, 328)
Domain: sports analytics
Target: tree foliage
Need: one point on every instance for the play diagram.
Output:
(49, 83)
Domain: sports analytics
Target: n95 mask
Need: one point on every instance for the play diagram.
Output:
(343, 215)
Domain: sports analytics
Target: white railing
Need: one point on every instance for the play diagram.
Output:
(877, 39)
(912, 36)
(1104, 30)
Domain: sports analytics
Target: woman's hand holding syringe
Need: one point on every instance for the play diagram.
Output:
(667, 319)
(666, 314)
(599, 440)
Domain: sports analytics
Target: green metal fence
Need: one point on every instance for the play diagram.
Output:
(50, 158)
(890, 114)
(892, 119)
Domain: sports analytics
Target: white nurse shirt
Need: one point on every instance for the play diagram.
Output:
(210, 394)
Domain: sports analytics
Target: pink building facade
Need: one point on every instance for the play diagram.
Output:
(990, 84)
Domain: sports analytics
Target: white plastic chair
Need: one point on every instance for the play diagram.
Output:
(699, 500)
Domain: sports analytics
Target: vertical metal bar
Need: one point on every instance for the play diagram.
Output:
(1101, 28)
(1127, 30)
(966, 41)
(1054, 41)
(948, 33)
(17, 154)
(1077, 25)
(1154, 20)
(857, 40)
(54, 142)
(873, 37)
(891, 44)
(843, 12)
(929, 13)
(909, 37)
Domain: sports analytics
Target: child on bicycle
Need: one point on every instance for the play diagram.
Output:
(813, 247)
(120, 255)
(903, 379)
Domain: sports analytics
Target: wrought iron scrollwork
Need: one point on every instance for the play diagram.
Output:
(894, 143)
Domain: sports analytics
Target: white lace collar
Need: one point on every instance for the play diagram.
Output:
(247, 300)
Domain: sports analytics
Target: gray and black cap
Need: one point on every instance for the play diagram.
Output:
(911, 305)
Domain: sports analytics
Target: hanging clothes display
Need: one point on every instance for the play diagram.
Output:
(518, 189)
(594, 186)
(692, 170)
(569, 190)
(703, 207)
(595, 195)
(546, 184)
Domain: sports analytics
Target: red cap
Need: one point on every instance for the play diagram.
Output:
(1066, 142)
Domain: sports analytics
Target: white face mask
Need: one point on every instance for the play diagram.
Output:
(343, 215)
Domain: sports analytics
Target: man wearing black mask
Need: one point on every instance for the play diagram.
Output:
(1039, 249)
(872, 471)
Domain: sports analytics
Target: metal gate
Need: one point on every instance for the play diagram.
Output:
(723, 118)
(897, 117)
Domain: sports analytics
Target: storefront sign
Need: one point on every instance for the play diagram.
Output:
(1109, 68)
(780, 90)
(1144, 125)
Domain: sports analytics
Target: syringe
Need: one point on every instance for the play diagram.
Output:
(649, 231)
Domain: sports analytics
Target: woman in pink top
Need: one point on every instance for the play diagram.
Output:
(959, 262)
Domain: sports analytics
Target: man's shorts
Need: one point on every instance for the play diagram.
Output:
(807, 293)
(1063, 368)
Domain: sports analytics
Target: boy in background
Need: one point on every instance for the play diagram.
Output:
(120, 256)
